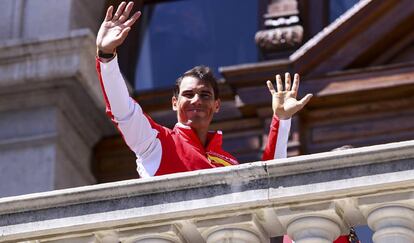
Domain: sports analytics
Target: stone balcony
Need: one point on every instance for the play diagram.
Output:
(312, 198)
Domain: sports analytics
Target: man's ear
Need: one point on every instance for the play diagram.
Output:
(174, 103)
(217, 104)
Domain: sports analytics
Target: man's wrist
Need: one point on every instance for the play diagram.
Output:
(105, 56)
(282, 117)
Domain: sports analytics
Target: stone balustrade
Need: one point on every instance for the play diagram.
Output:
(312, 198)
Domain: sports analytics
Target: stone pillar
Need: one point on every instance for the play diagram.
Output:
(51, 110)
(168, 233)
(152, 239)
(51, 113)
(313, 229)
(232, 235)
(392, 223)
(238, 229)
(283, 31)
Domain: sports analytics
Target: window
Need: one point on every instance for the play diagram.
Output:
(338, 7)
(178, 35)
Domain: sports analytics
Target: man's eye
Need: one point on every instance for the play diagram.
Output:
(188, 95)
(206, 95)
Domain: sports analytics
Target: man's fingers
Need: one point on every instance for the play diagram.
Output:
(287, 81)
(279, 83)
(119, 11)
(295, 85)
(270, 87)
(125, 14)
(128, 8)
(132, 20)
(305, 100)
(108, 15)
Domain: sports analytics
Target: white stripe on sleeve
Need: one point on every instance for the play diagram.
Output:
(282, 139)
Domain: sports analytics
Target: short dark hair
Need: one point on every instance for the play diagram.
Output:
(202, 73)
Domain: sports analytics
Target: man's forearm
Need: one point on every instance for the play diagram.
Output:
(114, 89)
(276, 146)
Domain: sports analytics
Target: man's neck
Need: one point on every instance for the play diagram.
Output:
(200, 132)
(202, 135)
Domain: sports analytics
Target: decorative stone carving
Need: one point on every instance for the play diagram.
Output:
(279, 38)
(106, 237)
(283, 30)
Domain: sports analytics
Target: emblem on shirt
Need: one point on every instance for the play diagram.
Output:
(220, 160)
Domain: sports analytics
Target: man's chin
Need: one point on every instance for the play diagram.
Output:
(197, 123)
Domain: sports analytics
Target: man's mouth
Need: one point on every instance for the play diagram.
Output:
(195, 110)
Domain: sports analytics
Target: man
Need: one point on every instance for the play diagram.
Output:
(190, 145)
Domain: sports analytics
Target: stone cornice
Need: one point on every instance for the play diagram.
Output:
(55, 70)
(50, 61)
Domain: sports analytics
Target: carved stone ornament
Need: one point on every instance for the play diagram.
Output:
(279, 38)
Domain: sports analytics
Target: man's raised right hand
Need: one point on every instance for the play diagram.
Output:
(114, 29)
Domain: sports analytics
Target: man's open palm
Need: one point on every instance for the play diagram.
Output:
(115, 27)
(284, 102)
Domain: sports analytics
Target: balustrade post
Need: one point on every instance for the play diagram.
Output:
(153, 240)
(232, 235)
(313, 229)
(393, 223)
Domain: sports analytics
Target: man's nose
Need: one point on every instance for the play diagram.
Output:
(196, 99)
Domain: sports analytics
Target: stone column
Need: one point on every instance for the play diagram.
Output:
(51, 113)
(153, 239)
(237, 229)
(51, 110)
(392, 223)
(168, 233)
(313, 229)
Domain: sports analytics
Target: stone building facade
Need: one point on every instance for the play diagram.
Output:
(50, 103)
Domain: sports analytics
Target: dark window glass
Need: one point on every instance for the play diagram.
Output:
(338, 7)
(179, 35)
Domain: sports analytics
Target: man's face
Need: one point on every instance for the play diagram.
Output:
(195, 104)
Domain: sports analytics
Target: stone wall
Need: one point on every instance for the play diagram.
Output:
(51, 110)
